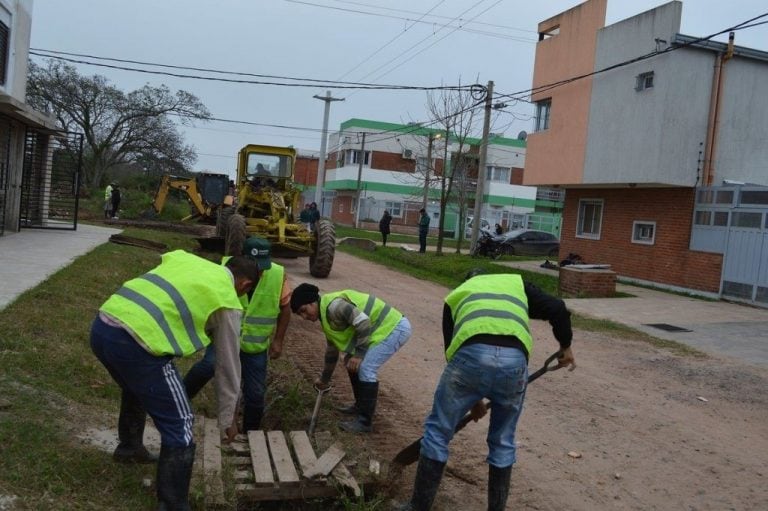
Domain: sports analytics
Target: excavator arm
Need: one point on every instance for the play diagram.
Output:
(188, 185)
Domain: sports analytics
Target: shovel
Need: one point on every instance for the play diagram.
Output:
(316, 411)
(410, 454)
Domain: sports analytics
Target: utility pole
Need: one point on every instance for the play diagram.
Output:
(360, 160)
(323, 143)
(432, 138)
(480, 190)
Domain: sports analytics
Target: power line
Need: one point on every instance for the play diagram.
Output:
(319, 83)
(438, 16)
(457, 27)
(390, 41)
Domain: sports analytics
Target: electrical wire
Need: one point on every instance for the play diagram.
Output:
(318, 83)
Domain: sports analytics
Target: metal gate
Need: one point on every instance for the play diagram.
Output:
(745, 263)
(51, 180)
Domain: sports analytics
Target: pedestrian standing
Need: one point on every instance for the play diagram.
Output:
(168, 312)
(386, 219)
(265, 321)
(314, 215)
(108, 201)
(115, 199)
(423, 230)
(305, 217)
(487, 343)
(367, 330)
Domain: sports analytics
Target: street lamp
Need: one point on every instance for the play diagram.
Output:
(432, 138)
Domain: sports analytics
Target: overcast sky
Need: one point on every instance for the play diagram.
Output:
(350, 40)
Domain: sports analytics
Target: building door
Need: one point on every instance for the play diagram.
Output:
(745, 262)
(50, 180)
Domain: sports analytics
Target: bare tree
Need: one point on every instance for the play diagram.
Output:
(454, 112)
(118, 127)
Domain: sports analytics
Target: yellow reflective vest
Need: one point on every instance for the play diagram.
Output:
(489, 304)
(260, 318)
(168, 307)
(384, 318)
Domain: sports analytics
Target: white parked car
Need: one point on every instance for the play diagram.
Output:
(484, 225)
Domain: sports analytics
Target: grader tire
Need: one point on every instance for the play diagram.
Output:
(235, 235)
(321, 261)
(222, 218)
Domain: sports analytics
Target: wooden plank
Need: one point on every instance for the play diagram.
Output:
(262, 469)
(326, 462)
(346, 479)
(214, 486)
(303, 450)
(252, 493)
(281, 456)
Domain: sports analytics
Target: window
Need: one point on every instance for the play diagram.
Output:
(395, 208)
(499, 174)
(4, 46)
(589, 219)
(644, 81)
(542, 114)
(421, 165)
(746, 219)
(353, 155)
(643, 232)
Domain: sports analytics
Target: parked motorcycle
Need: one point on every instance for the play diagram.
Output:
(488, 245)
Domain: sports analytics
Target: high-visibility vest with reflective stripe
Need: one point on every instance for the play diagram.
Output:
(489, 304)
(168, 307)
(384, 318)
(260, 317)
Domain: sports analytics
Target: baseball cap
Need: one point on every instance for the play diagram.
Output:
(258, 249)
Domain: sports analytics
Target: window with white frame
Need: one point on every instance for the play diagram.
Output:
(590, 218)
(395, 208)
(422, 165)
(543, 108)
(499, 174)
(643, 232)
(644, 81)
(352, 157)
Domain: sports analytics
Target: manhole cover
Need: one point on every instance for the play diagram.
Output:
(668, 327)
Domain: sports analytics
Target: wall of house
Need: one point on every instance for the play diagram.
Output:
(556, 155)
(652, 136)
(741, 153)
(17, 15)
(668, 261)
(305, 171)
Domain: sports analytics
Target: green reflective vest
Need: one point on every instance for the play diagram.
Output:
(260, 318)
(384, 318)
(168, 307)
(489, 304)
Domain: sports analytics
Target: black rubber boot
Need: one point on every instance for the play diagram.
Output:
(174, 471)
(252, 416)
(498, 487)
(428, 476)
(130, 432)
(351, 409)
(368, 395)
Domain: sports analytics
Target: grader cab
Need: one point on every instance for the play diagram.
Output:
(268, 205)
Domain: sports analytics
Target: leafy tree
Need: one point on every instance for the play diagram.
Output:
(118, 127)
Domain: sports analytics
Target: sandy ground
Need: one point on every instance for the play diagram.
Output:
(654, 430)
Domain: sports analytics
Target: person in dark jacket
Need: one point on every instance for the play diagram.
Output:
(423, 230)
(115, 200)
(314, 215)
(487, 342)
(386, 219)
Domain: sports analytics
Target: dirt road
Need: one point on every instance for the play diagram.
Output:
(654, 430)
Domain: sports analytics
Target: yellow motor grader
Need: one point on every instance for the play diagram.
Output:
(268, 205)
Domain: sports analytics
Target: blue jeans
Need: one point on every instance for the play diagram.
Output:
(153, 381)
(475, 372)
(254, 382)
(379, 354)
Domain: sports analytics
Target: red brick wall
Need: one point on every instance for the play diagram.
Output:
(392, 161)
(587, 283)
(305, 171)
(517, 176)
(668, 261)
(342, 210)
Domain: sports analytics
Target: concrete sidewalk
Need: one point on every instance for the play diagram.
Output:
(716, 327)
(29, 257)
